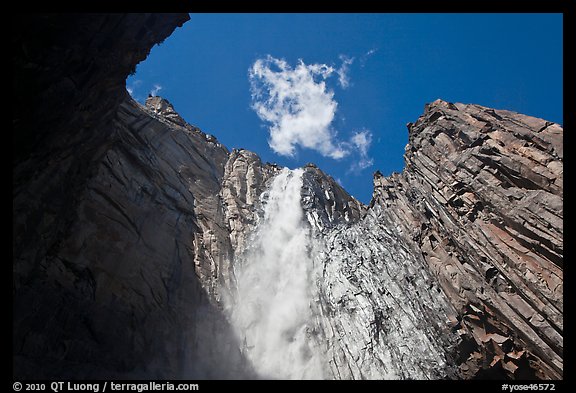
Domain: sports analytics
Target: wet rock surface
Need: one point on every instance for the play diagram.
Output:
(382, 312)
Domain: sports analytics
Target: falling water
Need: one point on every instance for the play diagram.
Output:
(273, 314)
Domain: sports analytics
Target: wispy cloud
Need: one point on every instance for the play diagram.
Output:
(133, 86)
(362, 141)
(342, 72)
(366, 55)
(136, 88)
(370, 52)
(154, 91)
(297, 105)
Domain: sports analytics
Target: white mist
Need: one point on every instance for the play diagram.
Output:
(272, 313)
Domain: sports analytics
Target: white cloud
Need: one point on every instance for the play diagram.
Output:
(362, 140)
(298, 106)
(300, 109)
(342, 72)
(155, 89)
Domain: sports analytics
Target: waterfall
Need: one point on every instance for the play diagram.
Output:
(273, 309)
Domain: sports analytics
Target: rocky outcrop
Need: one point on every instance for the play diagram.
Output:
(481, 199)
(127, 222)
(325, 202)
(245, 180)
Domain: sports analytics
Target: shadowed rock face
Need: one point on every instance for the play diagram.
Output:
(113, 204)
(127, 221)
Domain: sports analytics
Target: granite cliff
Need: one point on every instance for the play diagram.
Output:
(481, 199)
(133, 231)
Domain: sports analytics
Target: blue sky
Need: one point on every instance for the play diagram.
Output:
(338, 89)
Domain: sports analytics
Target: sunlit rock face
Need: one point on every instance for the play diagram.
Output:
(382, 312)
(144, 248)
(481, 199)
